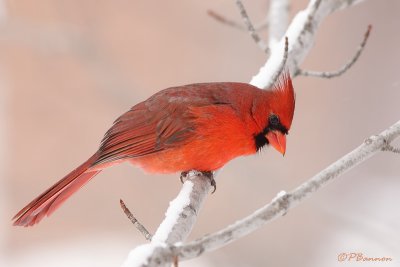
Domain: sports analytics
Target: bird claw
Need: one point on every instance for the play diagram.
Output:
(213, 184)
(209, 174)
(183, 177)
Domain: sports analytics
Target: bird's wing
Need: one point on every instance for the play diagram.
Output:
(161, 122)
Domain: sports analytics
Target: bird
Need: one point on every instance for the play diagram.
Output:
(199, 126)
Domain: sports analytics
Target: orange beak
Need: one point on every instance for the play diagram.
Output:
(277, 140)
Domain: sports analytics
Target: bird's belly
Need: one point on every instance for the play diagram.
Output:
(187, 158)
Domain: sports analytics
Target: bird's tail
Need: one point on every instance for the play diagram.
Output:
(52, 198)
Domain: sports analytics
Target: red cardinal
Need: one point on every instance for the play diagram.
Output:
(191, 127)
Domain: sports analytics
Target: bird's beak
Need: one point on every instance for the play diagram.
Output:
(277, 140)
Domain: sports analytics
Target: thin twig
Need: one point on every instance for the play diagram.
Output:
(346, 67)
(135, 222)
(232, 23)
(250, 27)
(224, 20)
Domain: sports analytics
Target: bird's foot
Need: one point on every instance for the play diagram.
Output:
(184, 176)
(209, 174)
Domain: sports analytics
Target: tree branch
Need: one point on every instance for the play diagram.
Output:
(224, 20)
(346, 67)
(182, 211)
(278, 20)
(230, 22)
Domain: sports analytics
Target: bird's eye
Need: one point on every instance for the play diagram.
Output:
(273, 120)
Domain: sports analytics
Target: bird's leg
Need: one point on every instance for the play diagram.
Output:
(209, 174)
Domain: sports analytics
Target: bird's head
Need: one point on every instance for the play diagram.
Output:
(273, 112)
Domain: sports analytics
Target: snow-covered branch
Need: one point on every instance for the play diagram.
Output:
(278, 20)
(177, 225)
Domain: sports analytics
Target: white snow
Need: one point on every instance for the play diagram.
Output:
(279, 195)
(266, 72)
(175, 208)
(139, 256)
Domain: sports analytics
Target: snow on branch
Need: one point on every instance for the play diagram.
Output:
(230, 22)
(278, 20)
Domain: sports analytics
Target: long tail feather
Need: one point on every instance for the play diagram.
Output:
(52, 198)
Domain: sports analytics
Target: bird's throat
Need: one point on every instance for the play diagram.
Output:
(260, 141)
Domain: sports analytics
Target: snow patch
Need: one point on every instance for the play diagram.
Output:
(266, 72)
(172, 215)
(279, 195)
(140, 255)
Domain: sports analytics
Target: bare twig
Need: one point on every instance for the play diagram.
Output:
(220, 18)
(135, 222)
(347, 66)
(230, 22)
(250, 27)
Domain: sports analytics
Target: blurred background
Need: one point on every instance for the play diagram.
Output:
(68, 68)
